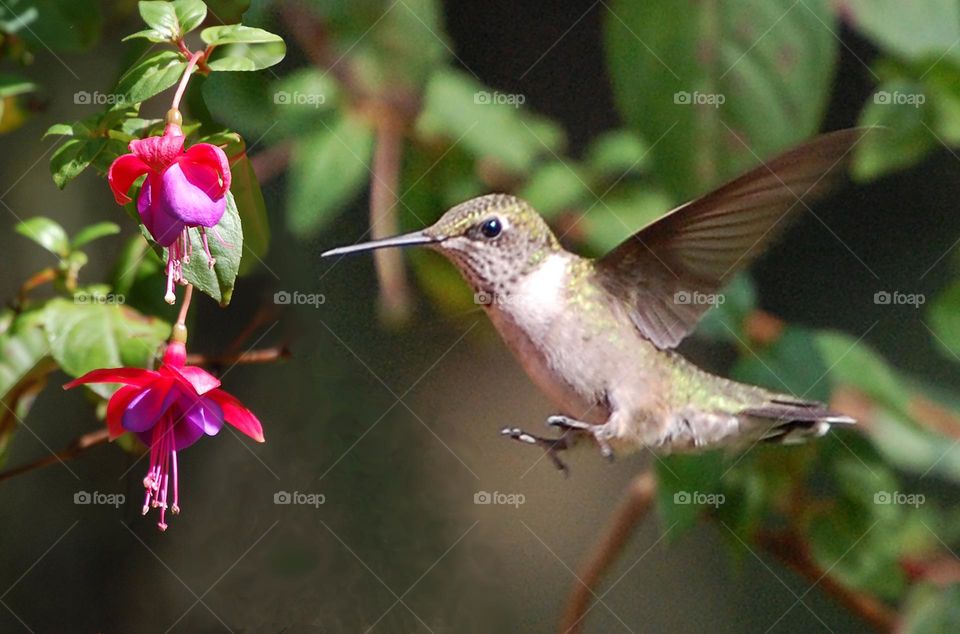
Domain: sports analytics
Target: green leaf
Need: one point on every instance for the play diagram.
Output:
(84, 335)
(611, 221)
(401, 53)
(46, 233)
(944, 316)
(901, 107)
(327, 169)
(724, 322)
(557, 186)
(857, 555)
(230, 11)
(697, 78)
(253, 213)
(24, 365)
(617, 153)
(792, 365)
(912, 448)
(686, 487)
(74, 156)
(489, 124)
(170, 21)
(854, 363)
(60, 129)
(94, 232)
(914, 30)
(11, 86)
(138, 275)
(243, 48)
(238, 101)
(930, 608)
(59, 25)
(150, 77)
(226, 247)
(135, 127)
(148, 34)
(302, 99)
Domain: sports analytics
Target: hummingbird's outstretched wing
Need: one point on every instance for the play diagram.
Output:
(664, 270)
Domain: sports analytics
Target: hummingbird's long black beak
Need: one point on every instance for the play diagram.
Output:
(405, 240)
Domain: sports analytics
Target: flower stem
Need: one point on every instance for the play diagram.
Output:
(186, 78)
(185, 306)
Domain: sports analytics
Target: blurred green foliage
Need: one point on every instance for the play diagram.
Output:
(704, 90)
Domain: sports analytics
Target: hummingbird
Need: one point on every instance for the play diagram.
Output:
(598, 336)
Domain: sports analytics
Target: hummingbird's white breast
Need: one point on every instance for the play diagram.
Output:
(532, 319)
(537, 298)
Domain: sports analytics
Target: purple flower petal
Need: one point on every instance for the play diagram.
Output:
(146, 408)
(191, 192)
(164, 228)
(186, 432)
(203, 413)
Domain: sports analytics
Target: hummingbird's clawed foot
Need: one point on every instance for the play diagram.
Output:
(551, 445)
(597, 431)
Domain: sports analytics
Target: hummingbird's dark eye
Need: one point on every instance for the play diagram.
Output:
(491, 228)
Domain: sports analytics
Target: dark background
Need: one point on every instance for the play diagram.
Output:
(399, 534)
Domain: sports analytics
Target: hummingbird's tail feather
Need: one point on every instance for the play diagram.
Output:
(787, 421)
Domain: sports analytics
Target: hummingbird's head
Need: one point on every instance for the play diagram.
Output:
(493, 240)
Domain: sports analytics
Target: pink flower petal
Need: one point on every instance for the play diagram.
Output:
(164, 227)
(117, 406)
(237, 415)
(127, 376)
(159, 151)
(214, 158)
(191, 193)
(201, 380)
(123, 172)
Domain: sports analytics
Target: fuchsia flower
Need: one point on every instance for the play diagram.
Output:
(169, 409)
(183, 190)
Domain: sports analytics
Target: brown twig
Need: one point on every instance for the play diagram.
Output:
(791, 550)
(787, 547)
(637, 502)
(394, 292)
(37, 279)
(265, 355)
(77, 447)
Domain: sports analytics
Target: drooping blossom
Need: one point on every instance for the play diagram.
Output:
(169, 409)
(183, 190)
